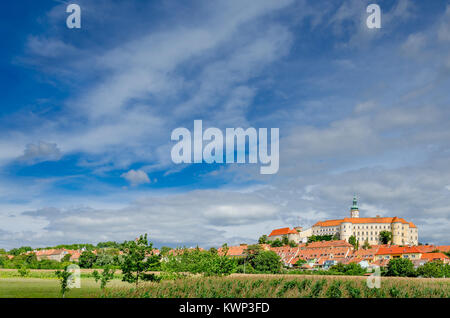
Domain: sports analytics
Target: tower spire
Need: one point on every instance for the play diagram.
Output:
(354, 210)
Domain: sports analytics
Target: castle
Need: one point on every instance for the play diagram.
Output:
(368, 229)
(363, 229)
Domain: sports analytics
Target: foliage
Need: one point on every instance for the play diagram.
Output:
(66, 258)
(20, 250)
(63, 277)
(276, 243)
(319, 238)
(197, 261)
(300, 262)
(348, 269)
(366, 245)
(263, 239)
(104, 259)
(137, 259)
(334, 291)
(87, 259)
(400, 267)
(23, 271)
(385, 237)
(104, 277)
(267, 262)
(352, 240)
(285, 240)
(108, 244)
(434, 269)
(165, 250)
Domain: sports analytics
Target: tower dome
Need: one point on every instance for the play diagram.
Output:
(354, 210)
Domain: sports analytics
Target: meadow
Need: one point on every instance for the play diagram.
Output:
(44, 284)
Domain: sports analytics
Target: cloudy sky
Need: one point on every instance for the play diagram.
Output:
(86, 117)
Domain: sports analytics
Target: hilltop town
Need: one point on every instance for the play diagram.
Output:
(369, 242)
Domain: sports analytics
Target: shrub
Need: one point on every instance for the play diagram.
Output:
(400, 267)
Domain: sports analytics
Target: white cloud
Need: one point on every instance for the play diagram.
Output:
(136, 177)
(43, 151)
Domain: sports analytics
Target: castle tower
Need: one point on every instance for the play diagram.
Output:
(354, 210)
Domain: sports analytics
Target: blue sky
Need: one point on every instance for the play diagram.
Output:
(86, 117)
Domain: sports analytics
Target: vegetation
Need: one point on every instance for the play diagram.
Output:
(352, 240)
(63, 276)
(276, 243)
(400, 267)
(385, 237)
(196, 261)
(104, 277)
(319, 238)
(263, 239)
(237, 285)
(137, 259)
(87, 259)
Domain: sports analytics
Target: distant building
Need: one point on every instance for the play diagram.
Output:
(388, 253)
(368, 229)
(292, 234)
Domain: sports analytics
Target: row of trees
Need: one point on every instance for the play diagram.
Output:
(403, 267)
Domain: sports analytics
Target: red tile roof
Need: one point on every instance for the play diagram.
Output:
(283, 231)
(363, 220)
(397, 250)
(434, 256)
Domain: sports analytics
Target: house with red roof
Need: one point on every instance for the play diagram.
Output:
(388, 253)
(278, 234)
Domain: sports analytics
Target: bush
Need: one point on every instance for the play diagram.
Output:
(400, 267)
(432, 269)
(267, 262)
(197, 261)
(23, 271)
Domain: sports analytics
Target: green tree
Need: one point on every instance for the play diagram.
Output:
(87, 259)
(137, 259)
(352, 240)
(385, 237)
(276, 243)
(300, 262)
(432, 269)
(267, 262)
(319, 238)
(165, 250)
(285, 240)
(104, 277)
(292, 244)
(263, 239)
(63, 277)
(336, 237)
(251, 252)
(20, 250)
(400, 267)
(23, 271)
(66, 258)
(366, 245)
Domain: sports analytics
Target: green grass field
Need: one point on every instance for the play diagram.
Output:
(44, 284)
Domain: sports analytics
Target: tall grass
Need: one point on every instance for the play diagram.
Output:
(268, 286)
